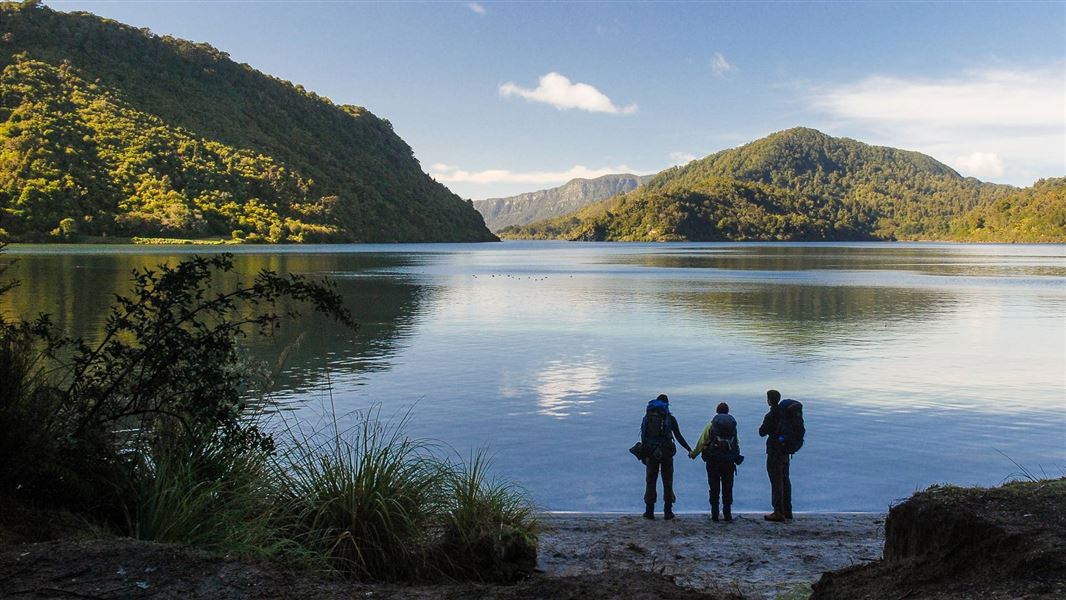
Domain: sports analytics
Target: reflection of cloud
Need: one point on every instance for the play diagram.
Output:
(565, 387)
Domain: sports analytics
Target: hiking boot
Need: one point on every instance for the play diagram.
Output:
(668, 513)
(714, 513)
(649, 512)
(788, 516)
(775, 517)
(726, 513)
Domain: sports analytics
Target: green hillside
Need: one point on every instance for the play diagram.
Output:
(1035, 214)
(798, 184)
(108, 130)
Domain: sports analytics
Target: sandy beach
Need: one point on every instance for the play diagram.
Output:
(750, 556)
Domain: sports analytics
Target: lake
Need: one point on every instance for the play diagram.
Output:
(916, 363)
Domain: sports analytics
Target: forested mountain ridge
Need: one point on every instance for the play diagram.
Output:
(545, 204)
(797, 184)
(106, 129)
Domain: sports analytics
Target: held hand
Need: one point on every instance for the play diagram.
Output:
(692, 454)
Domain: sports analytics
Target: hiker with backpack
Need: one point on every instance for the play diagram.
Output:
(657, 432)
(719, 447)
(783, 429)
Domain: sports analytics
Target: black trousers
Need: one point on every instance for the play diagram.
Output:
(720, 480)
(780, 485)
(664, 465)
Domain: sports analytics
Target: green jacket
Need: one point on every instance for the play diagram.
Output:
(705, 438)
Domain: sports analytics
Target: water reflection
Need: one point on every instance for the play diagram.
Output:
(569, 387)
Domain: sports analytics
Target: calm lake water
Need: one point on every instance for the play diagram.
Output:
(916, 363)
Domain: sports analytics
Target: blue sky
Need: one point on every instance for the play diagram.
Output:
(501, 98)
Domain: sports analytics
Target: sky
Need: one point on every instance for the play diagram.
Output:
(499, 98)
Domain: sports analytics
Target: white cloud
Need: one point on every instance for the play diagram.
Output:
(560, 92)
(980, 164)
(476, 7)
(987, 97)
(720, 65)
(681, 158)
(452, 174)
(1015, 117)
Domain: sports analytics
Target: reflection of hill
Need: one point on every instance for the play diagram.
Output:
(385, 308)
(78, 289)
(812, 315)
(952, 261)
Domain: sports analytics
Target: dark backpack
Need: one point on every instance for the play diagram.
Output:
(656, 428)
(790, 428)
(723, 438)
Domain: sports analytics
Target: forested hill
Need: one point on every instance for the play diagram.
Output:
(545, 204)
(110, 130)
(1032, 214)
(798, 184)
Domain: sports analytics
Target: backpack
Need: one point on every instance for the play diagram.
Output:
(790, 428)
(656, 427)
(723, 439)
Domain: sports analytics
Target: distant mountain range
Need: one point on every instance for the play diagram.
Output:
(545, 204)
(109, 130)
(801, 184)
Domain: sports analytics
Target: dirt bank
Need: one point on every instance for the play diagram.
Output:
(120, 568)
(582, 556)
(954, 543)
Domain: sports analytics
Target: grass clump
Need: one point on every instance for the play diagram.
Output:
(381, 506)
(489, 527)
(366, 502)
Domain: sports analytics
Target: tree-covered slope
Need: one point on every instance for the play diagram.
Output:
(798, 184)
(1034, 214)
(110, 130)
(545, 204)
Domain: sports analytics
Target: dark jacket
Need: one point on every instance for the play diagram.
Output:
(770, 429)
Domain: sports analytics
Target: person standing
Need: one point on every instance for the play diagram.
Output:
(657, 432)
(777, 460)
(720, 448)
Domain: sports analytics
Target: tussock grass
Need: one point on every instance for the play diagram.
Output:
(221, 501)
(489, 529)
(381, 506)
(366, 500)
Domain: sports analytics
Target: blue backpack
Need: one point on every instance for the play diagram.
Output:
(656, 426)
